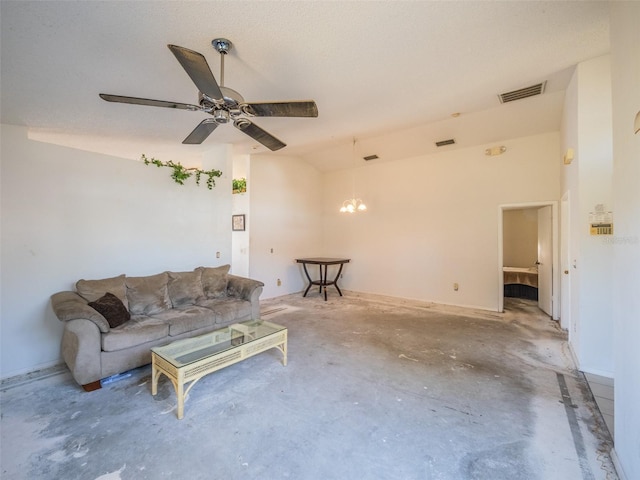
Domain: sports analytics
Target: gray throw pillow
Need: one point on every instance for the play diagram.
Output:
(214, 281)
(91, 290)
(185, 288)
(148, 295)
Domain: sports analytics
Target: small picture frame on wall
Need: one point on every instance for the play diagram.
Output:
(237, 223)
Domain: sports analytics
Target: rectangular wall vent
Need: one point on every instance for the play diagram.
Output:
(371, 157)
(531, 91)
(442, 143)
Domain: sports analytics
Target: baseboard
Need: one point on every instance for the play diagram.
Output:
(44, 369)
(617, 465)
(593, 371)
(417, 301)
(574, 356)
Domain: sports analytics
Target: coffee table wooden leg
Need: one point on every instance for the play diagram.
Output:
(180, 395)
(283, 348)
(154, 376)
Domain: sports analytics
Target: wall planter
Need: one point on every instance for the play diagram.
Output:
(239, 185)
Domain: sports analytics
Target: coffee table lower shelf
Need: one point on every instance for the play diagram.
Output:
(180, 376)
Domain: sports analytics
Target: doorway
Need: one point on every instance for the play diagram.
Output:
(534, 258)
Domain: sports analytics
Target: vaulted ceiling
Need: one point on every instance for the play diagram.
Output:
(389, 72)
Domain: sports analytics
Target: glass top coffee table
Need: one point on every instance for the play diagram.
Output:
(189, 360)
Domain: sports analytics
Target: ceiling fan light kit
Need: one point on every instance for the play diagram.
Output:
(224, 104)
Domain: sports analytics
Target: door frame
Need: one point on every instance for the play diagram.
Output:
(565, 262)
(554, 245)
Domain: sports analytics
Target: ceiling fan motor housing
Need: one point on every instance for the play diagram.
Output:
(228, 106)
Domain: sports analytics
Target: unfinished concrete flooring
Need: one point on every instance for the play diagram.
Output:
(375, 388)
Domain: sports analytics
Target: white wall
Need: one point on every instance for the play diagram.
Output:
(625, 68)
(433, 219)
(587, 127)
(69, 214)
(240, 204)
(286, 204)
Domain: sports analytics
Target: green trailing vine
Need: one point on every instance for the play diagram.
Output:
(181, 173)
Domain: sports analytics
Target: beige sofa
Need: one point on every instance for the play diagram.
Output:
(111, 324)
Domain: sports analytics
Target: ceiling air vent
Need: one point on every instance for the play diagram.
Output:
(371, 157)
(531, 91)
(442, 143)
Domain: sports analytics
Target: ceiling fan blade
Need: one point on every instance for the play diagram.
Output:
(201, 132)
(258, 134)
(198, 69)
(301, 108)
(148, 102)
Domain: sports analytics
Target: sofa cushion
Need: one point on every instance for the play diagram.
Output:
(214, 281)
(140, 329)
(112, 309)
(228, 310)
(185, 288)
(92, 290)
(148, 295)
(186, 319)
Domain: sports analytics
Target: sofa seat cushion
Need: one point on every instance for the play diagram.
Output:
(186, 319)
(148, 295)
(140, 329)
(228, 310)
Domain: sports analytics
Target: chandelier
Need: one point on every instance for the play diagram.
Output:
(353, 204)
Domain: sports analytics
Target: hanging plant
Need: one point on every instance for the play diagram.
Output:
(181, 173)
(239, 185)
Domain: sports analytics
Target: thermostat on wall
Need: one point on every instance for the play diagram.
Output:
(601, 229)
(601, 221)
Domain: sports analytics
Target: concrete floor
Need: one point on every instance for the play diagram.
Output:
(375, 388)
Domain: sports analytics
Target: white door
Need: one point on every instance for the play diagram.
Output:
(565, 278)
(545, 260)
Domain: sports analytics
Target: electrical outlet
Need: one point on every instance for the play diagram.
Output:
(455, 287)
(272, 250)
(217, 254)
(279, 283)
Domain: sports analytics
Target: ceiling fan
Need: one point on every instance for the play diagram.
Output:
(223, 103)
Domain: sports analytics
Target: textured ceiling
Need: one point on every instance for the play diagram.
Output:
(377, 70)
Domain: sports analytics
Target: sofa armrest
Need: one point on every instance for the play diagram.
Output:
(246, 289)
(241, 287)
(71, 306)
(80, 348)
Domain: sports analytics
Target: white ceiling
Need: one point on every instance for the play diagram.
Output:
(378, 71)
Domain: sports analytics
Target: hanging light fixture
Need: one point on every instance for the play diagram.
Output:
(353, 204)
